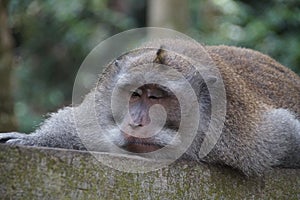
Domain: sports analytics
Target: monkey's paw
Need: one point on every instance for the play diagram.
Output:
(13, 138)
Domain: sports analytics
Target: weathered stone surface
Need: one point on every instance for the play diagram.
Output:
(43, 173)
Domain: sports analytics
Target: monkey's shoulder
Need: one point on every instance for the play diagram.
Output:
(244, 60)
(254, 72)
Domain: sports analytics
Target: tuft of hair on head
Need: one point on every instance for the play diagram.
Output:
(160, 55)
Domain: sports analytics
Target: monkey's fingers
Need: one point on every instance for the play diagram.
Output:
(10, 137)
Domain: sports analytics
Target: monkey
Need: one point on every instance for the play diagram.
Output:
(261, 128)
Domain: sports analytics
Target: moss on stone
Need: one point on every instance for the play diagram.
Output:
(44, 173)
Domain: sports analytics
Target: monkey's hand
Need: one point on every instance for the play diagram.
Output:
(14, 138)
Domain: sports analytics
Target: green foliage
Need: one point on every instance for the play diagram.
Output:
(52, 38)
(272, 27)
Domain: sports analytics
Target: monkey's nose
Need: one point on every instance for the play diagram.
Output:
(139, 121)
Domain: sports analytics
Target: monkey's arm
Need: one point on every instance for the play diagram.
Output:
(281, 133)
(57, 131)
(11, 137)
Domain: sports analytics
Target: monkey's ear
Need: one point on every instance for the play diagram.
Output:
(210, 80)
(160, 55)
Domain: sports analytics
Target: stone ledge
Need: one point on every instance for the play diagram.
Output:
(45, 173)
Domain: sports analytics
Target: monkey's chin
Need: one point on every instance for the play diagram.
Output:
(141, 148)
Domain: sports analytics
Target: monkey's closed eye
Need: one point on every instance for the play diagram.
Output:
(154, 97)
(156, 93)
(136, 93)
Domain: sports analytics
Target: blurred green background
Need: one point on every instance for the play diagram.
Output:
(49, 39)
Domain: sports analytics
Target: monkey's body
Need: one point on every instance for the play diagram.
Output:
(262, 124)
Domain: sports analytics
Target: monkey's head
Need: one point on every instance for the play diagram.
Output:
(148, 100)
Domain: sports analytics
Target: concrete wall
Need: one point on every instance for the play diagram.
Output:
(43, 173)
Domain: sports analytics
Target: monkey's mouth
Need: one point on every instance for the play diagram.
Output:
(140, 145)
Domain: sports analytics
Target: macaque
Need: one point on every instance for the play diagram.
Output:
(261, 126)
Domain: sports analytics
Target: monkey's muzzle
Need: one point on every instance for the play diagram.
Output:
(140, 145)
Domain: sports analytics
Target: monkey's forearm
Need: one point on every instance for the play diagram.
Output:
(58, 131)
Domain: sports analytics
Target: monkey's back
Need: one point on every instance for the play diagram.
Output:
(271, 82)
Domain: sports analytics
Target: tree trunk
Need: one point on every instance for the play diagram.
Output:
(7, 118)
(168, 14)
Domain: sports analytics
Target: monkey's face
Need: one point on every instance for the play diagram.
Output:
(143, 105)
(138, 134)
